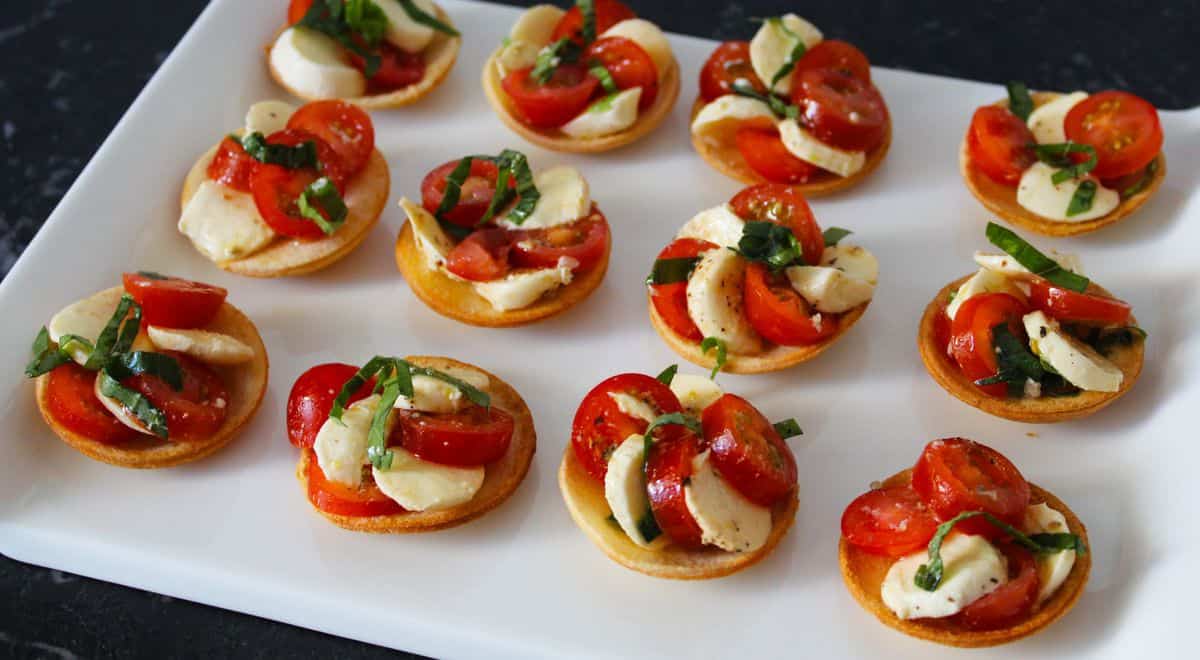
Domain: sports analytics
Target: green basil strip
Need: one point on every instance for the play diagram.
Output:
(46, 356)
(648, 526)
(414, 12)
(788, 428)
(778, 106)
(527, 193)
(160, 365)
(301, 156)
(1081, 201)
(1033, 260)
(606, 80)
(771, 244)
(667, 375)
(1107, 339)
(149, 274)
(109, 336)
(1020, 103)
(672, 270)
(453, 190)
(135, 403)
(360, 378)
(708, 344)
(562, 51)
(797, 51)
(1058, 155)
(1014, 361)
(377, 451)
(834, 235)
(473, 394)
(129, 331)
(588, 30)
(329, 18)
(1142, 183)
(670, 419)
(501, 196)
(322, 195)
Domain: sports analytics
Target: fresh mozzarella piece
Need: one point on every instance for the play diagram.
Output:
(1039, 195)
(341, 447)
(625, 489)
(718, 225)
(523, 288)
(853, 260)
(564, 198)
(1053, 568)
(1031, 389)
(730, 107)
(437, 396)
(972, 568)
(985, 280)
(773, 44)
(431, 239)
(402, 31)
(315, 65)
(1047, 122)
(714, 301)
(85, 318)
(419, 485)
(726, 518)
(1006, 265)
(649, 37)
(633, 406)
(119, 411)
(808, 148)
(611, 114)
(224, 223)
(1077, 362)
(204, 345)
(267, 117)
(829, 289)
(529, 34)
(695, 393)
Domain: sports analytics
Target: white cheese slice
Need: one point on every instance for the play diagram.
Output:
(564, 198)
(529, 34)
(1077, 362)
(772, 46)
(611, 114)
(432, 241)
(853, 260)
(402, 31)
(1006, 265)
(718, 225)
(523, 288)
(315, 65)
(341, 447)
(633, 406)
(714, 301)
(730, 107)
(119, 411)
(1039, 195)
(434, 395)
(85, 318)
(649, 37)
(805, 146)
(1053, 568)
(419, 485)
(625, 490)
(204, 345)
(267, 117)
(223, 223)
(695, 393)
(985, 280)
(726, 518)
(829, 289)
(1047, 122)
(972, 569)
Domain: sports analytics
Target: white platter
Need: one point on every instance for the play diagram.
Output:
(235, 530)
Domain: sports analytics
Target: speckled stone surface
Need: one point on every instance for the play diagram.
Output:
(70, 68)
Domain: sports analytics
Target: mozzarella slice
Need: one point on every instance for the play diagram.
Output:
(119, 411)
(611, 114)
(718, 225)
(402, 31)
(85, 318)
(772, 46)
(267, 117)
(625, 490)
(341, 447)
(1039, 195)
(206, 346)
(1006, 265)
(523, 288)
(1047, 121)
(726, 518)
(985, 280)
(1077, 362)
(419, 485)
(434, 395)
(714, 301)
(805, 146)
(695, 393)
(829, 289)
(853, 260)
(649, 37)
(431, 239)
(223, 223)
(972, 568)
(1053, 568)
(633, 406)
(565, 197)
(529, 34)
(730, 107)
(315, 65)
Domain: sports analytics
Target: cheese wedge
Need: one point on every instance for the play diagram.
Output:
(341, 447)
(1038, 194)
(803, 145)
(611, 114)
(419, 485)
(523, 288)
(206, 346)
(715, 304)
(223, 223)
(972, 569)
(625, 491)
(402, 31)
(1077, 362)
(695, 393)
(730, 107)
(432, 241)
(529, 34)
(718, 225)
(649, 37)
(772, 46)
(1047, 122)
(267, 117)
(315, 65)
(726, 518)
(565, 197)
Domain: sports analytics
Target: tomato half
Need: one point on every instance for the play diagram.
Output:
(998, 143)
(195, 412)
(955, 475)
(608, 14)
(231, 165)
(783, 205)
(71, 401)
(1012, 601)
(345, 127)
(729, 63)
(340, 499)
(971, 343)
(174, 302)
(840, 109)
(748, 451)
(312, 396)
(1071, 306)
(836, 55)
(475, 194)
(476, 436)
(779, 313)
(555, 103)
(892, 521)
(276, 192)
(629, 64)
(584, 241)
(670, 300)
(1122, 127)
(668, 468)
(766, 154)
(600, 425)
(482, 256)
(397, 68)
(297, 9)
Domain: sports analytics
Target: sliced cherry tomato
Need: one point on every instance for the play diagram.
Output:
(629, 64)
(670, 300)
(1072, 306)
(397, 68)
(783, 205)
(668, 468)
(297, 9)
(1122, 127)
(476, 436)
(475, 194)
(560, 100)
(584, 240)
(482, 256)
(748, 451)
(345, 127)
(836, 55)
(840, 109)
(277, 189)
(71, 401)
(1012, 601)
(312, 397)
(174, 302)
(955, 475)
(729, 63)
(779, 313)
(600, 426)
(892, 521)
(608, 14)
(769, 158)
(231, 165)
(941, 331)
(194, 412)
(343, 500)
(999, 144)
(971, 343)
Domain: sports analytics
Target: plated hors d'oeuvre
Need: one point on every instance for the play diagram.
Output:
(789, 106)
(962, 551)
(1063, 164)
(154, 373)
(410, 444)
(672, 477)
(589, 79)
(292, 192)
(1029, 338)
(374, 53)
(493, 244)
(754, 285)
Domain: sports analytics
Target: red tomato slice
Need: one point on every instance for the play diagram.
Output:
(297, 9)
(955, 475)
(196, 411)
(339, 499)
(840, 109)
(765, 154)
(779, 313)
(584, 241)
(312, 397)
(941, 330)
(482, 256)
(629, 64)
(670, 300)
(971, 343)
(71, 401)
(231, 165)
(999, 144)
(476, 436)
(1012, 601)
(783, 205)
(729, 63)
(836, 55)
(1122, 127)
(560, 100)
(891, 521)
(748, 451)
(475, 194)
(1072, 306)
(608, 14)
(397, 68)
(276, 191)
(173, 302)
(668, 468)
(345, 127)
(600, 425)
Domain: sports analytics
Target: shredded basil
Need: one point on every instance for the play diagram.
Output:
(1081, 201)
(1109, 338)
(517, 165)
(562, 51)
(1058, 155)
(473, 394)
(772, 244)
(668, 375)
(1142, 183)
(788, 428)
(355, 383)
(778, 106)
(606, 80)
(160, 365)
(135, 403)
(603, 104)
(672, 270)
(1020, 103)
(1033, 260)
(587, 8)
(367, 19)
(794, 56)
(708, 344)
(834, 235)
(114, 334)
(671, 419)
(1014, 361)
(322, 195)
(648, 526)
(303, 155)
(46, 355)
(329, 18)
(453, 190)
(414, 12)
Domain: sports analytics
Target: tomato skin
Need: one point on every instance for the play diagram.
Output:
(840, 109)
(195, 412)
(231, 165)
(668, 468)
(941, 331)
(174, 302)
(312, 396)
(475, 194)
(783, 205)
(999, 144)
(476, 436)
(748, 451)
(629, 64)
(560, 100)
(482, 256)
(599, 425)
(1123, 128)
(339, 499)
(956, 475)
(398, 68)
(836, 55)
(71, 401)
(779, 313)
(345, 127)
(670, 300)
(728, 63)
(971, 343)
(1071, 306)
(584, 240)
(1012, 601)
(892, 521)
(769, 158)
(608, 14)
(277, 189)
(297, 9)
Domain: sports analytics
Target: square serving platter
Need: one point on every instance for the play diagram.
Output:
(235, 530)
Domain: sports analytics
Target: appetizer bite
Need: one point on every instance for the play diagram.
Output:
(589, 79)
(754, 285)
(374, 53)
(292, 192)
(407, 445)
(492, 244)
(962, 551)
(674, 478)
(1063, 164)
(1029, 338)
(790, 107)
(154, 373)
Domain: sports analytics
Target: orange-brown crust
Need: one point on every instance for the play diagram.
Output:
(1001, 199)
(500, 479)
(864, 572)
(719, 150)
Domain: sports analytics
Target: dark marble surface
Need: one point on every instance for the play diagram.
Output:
(70, 68)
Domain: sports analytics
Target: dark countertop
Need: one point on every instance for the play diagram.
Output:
(70, 68)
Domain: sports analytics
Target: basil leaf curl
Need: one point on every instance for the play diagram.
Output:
(788, 428)
(672, 270)
(710, 343)
(418, 16)
(1020, 103)
(772, 244)
(667, 375)
(300, 156)
(137, 404)
(323, 195)
(834, 235)
(1033, 260)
